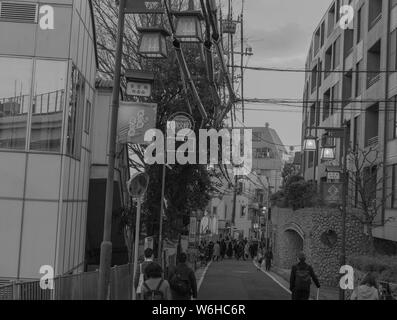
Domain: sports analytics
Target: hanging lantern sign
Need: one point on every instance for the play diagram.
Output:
(144, 6)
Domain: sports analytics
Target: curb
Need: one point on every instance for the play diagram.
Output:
(202, 276)
(271, 277)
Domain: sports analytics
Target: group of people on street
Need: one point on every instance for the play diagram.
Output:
(228, 248)
(150, 284)
(181, 284)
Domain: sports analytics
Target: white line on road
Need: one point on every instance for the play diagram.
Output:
(273, 278)
(202, 276)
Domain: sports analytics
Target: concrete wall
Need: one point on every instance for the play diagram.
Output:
(304, 228)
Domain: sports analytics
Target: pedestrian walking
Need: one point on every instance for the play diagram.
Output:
(211, 250)
(217, 251)
(246, 250)
(223, 249)
(368, 289)
(140, 275)
(268, 259)
(183, 280)
(229, 251)
(155, 288)
(301, 278)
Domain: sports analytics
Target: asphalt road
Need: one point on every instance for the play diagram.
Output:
(239, 280)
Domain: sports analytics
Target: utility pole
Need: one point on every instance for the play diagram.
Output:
(160, 245)
(231, 57)
(242, 59)
(346, 143)
(106, 245)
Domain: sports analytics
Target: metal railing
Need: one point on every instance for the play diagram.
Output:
(374, 21)
(373, 80)
(373, 141)
(82, 286)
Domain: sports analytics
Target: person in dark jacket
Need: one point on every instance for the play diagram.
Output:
(148, 256)
(300, 281)
(186, 274)
(268, 259)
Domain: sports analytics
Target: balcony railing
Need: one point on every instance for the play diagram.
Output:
(375, 21)
(373, 141)
(373, 80)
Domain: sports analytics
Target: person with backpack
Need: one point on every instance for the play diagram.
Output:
(301, 278)
(368, 289)
(183, 281)
(155, 288)
(140, 275)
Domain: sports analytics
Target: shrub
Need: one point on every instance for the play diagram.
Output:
(299, 194)
(384, 266)
(278, 199)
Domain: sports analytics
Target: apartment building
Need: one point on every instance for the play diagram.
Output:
(47, 77)
(346, 83)
(269, 155)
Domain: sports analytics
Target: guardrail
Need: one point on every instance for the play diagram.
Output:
(82, 286)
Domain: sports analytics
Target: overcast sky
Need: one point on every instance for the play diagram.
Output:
(279, 32)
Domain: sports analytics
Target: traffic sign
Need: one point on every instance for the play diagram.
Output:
(180, 120)
(137, 185)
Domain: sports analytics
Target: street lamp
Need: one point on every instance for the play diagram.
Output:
(328, 153)
(310, 144)
(153, 42)
(188, 26)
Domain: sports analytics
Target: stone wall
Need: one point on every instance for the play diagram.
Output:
(318, 231)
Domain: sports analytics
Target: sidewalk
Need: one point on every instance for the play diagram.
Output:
(282, 276)
(326, 293)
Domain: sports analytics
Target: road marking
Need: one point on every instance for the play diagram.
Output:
(273, 278)
(202, 276)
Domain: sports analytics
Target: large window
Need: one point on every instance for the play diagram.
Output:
(393, 50)
(48, 104)
(75, 113)
(336, 54)
(391, 186)
(360, 26)
(263, 153)
(334, 107)
(15, 94)
(391, 118)
(359, 77)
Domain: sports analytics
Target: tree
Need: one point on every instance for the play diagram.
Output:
(367, 192)
(289, 170)
(187, 187)
(298, 192)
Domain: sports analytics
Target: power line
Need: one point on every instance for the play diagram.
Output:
(270, 142)
(277, 69)
(301, 101)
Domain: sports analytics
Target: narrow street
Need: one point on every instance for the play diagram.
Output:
(239, 280)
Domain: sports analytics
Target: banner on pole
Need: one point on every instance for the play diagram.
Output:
(135, 118)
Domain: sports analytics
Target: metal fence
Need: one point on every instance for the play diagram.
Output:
(82, 286)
